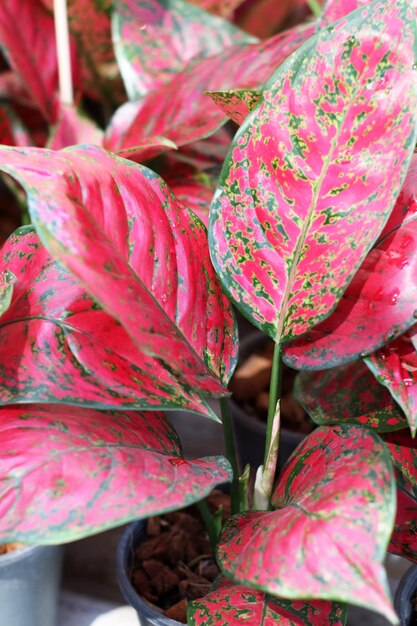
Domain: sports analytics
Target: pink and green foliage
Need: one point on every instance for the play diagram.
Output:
(154, 274)
(73, 127)
(156, 39)
(181, 111)
(237, 104)
(380, 302)
(404, 537)
(395, 366)
(305, 191)
(336, 9)
(68, 472)
(59, 346)
(348, 393)
(334, 504)
(233, 605)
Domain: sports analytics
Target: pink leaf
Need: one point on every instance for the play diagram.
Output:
(395, 367)
(348, 393)
(237, 104)
(334, 512)
(404, 537)
(73, 127)
(68, 472)
(139, 252)
(305, 191)
(58, 346)
(234, 605)
(180, 110)
(334, 10)
(155, 39)
(380, 302)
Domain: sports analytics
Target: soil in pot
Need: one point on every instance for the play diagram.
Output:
(176, 563)
(6, 548)
(250, 388)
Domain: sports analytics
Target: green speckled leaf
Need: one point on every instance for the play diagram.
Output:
(315, 170)
(334, 509)
(235, 605)
(236, 103)
(58, 346)
(348, 393)
(68, 472)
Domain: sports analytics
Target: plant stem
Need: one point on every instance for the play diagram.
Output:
(230, 453)
(314, 7)
(265, 475)
(63, 51)
(208, 521)
(274, 396)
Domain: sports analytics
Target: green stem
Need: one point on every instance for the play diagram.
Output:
(274, 396)
(230, 453)
(314, 7)
(208, 521)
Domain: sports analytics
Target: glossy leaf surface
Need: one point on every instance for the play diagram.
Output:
(68, 472)
(139, 252)
(237, 104)
(334, 119)
(336, 9)
(348, 393)
(58, 346)
(395, 367)
(155, 39)
(27, 37)
(334, 512)
(181, 111)
(234, 605)
(380, 302)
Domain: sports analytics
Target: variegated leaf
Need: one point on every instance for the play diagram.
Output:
(12, 132)
(58, 346)
(233, 605)
(334, 509)
(314, 171)
(181, 112)
(68, 472)
(142, 255)
(237, 103)
(380, 302)
(348, 393)
(334, 10)
(395, 367)
(197, 193)
(155, 39)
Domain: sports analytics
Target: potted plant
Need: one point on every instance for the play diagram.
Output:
(113, 310)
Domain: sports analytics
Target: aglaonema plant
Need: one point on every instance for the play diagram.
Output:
(113, 310)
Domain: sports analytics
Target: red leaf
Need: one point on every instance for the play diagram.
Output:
(404, 537)
(234, 605)
(335, 508)
(73, 127)
(27, 36)
(304, 193)
(348, 393)
(140, 253)
(395, 367)
(380, 302)
(68, 472)
(155, 39)
(180, 110)
(58, 346)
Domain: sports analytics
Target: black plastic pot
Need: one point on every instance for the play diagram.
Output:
(147, 615)
(406, 592)
(29, 586)
(250, 433)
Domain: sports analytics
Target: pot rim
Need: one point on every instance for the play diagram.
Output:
(20, 553)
